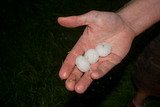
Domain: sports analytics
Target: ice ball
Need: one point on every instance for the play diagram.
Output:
(103, 49)
(92, 56)
(82, 63)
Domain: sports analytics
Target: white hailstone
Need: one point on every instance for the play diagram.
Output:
(92, 56)
(103, 49)
(82, 63)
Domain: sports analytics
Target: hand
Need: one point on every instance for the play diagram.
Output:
(100, 27)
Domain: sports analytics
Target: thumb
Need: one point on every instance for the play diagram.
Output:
(73, 21)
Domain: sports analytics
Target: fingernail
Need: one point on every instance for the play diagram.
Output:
(80, 89)
(94, 75)
(70, 86)
(63, 75)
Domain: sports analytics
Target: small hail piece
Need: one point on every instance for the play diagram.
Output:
(103, 49)
(92, 56)
(82, 64)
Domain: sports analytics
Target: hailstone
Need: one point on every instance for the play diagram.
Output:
(91, 55)
(103, 49)
(82, 63)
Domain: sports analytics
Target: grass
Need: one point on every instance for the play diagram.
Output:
(33, 47)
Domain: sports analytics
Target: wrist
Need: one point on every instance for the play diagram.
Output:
(128, 25)
(140, 14)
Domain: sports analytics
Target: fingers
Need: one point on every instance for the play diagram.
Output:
(83, 83)
(77, 82)
(105, 65)
(72, 21)
(80, 83)
(72, 79)
(69, 63)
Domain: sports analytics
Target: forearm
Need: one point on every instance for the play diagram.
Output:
(141, 14)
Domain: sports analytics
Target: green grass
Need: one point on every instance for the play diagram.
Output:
(33, 47)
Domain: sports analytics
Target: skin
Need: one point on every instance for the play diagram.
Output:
(116, 28)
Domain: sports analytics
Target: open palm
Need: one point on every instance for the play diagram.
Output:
(100, 27)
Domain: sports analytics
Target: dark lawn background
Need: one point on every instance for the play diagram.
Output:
(33, 47)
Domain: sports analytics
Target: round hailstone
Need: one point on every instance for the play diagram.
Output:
(92, 56)
(103, 49)
(82, 64)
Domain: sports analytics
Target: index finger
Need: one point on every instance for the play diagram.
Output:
(69, 62)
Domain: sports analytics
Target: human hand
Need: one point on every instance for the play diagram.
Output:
(101, 27)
